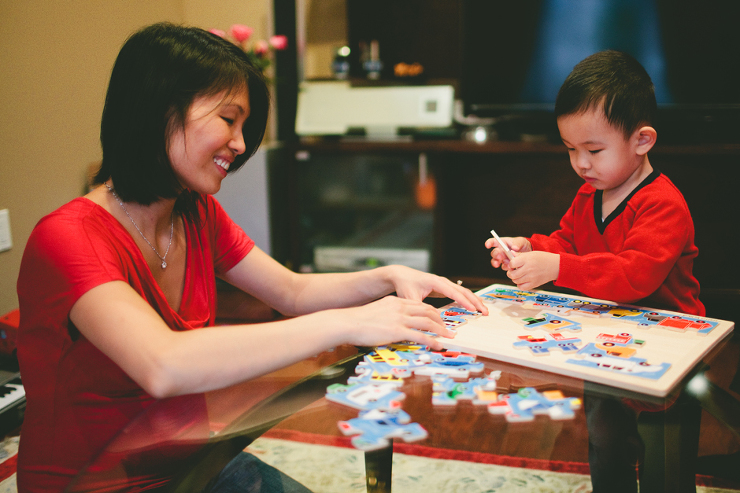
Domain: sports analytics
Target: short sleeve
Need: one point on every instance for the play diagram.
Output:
(65, 257)
(231, 244)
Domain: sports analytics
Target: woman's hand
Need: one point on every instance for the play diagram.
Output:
(392, 319)
(416, 285)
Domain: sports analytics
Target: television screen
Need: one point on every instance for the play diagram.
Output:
(516, 54)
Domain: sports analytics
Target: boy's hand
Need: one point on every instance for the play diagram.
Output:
(498, 255)
(533, 269)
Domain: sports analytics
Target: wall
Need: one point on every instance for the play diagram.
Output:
(325, 32)
(54, 69)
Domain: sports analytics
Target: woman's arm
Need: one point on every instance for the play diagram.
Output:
(339, 309)
(165, 363)
(297, 294)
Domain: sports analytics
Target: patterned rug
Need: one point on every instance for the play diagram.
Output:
(331, 466)
(328, 465)
(8, 455)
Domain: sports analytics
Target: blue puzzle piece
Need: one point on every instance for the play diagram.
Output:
(448, 392)
(375, 428)
(505, 295)
(457, 315)
(628, 314)
(594, 357)
(460, 311)
(513, 295)
(543, 345)
(366, 396)
(457, 365)
(404, 362)
(551, 323)
(527, 402)
(366, 374)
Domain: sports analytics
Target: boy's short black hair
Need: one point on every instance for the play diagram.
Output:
(159, 72)
(616, 81)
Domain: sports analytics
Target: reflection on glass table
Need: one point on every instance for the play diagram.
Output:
(199, 434)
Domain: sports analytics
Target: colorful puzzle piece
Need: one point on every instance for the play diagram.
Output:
(456, 315)
(627, 314)
(385, 362)
(448, 392)
(588, 308)
(551, 323)
(375, 428)
(683, 323)
(619, 345)
(452, 363)
(368, 375)
(366, 396)
(594, 357)
(528, 299)
(542, 345)
(527, 402)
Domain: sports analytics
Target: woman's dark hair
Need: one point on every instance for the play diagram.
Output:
(159, 72)
(615, 80)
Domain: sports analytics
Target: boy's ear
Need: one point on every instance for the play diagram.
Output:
(646, 137)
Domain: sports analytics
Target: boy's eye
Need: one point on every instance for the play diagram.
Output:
(595, 151)
(230, 121)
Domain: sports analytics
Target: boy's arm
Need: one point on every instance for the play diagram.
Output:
(561, 241)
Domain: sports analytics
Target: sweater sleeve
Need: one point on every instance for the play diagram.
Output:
(562, 240)
(652, 231)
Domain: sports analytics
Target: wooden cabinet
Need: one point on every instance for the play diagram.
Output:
(514, 187)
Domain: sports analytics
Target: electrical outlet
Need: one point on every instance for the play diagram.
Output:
(6, 241)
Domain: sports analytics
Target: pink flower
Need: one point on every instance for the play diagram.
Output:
(279, 42)
(218, 32)
(240, 32)
(261, 47)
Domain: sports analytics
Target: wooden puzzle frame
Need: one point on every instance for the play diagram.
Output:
(668, 352)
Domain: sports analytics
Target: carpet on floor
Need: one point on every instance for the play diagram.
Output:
(329, 464)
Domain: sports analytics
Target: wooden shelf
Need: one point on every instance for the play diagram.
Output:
(495, 147)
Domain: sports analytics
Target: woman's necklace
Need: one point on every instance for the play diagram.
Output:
(172, 227)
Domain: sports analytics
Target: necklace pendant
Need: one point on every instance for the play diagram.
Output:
(164, 264)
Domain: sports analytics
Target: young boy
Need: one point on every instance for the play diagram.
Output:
(628, 235)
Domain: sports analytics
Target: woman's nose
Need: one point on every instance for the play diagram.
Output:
(237, 143)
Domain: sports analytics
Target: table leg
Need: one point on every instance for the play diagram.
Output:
(671, 440)
(378, 465)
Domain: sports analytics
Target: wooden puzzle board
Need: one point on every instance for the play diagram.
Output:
(493, 337)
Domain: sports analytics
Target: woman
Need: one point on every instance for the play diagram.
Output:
(113, 284)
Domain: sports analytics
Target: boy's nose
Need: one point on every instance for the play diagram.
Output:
(582, 162)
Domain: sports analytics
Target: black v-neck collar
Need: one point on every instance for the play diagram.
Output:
(598, 198)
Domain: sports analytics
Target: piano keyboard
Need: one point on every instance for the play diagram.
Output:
(10, 393)
(12, 402)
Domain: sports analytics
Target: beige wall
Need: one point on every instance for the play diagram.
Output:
(325, 31)
(55, 59)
